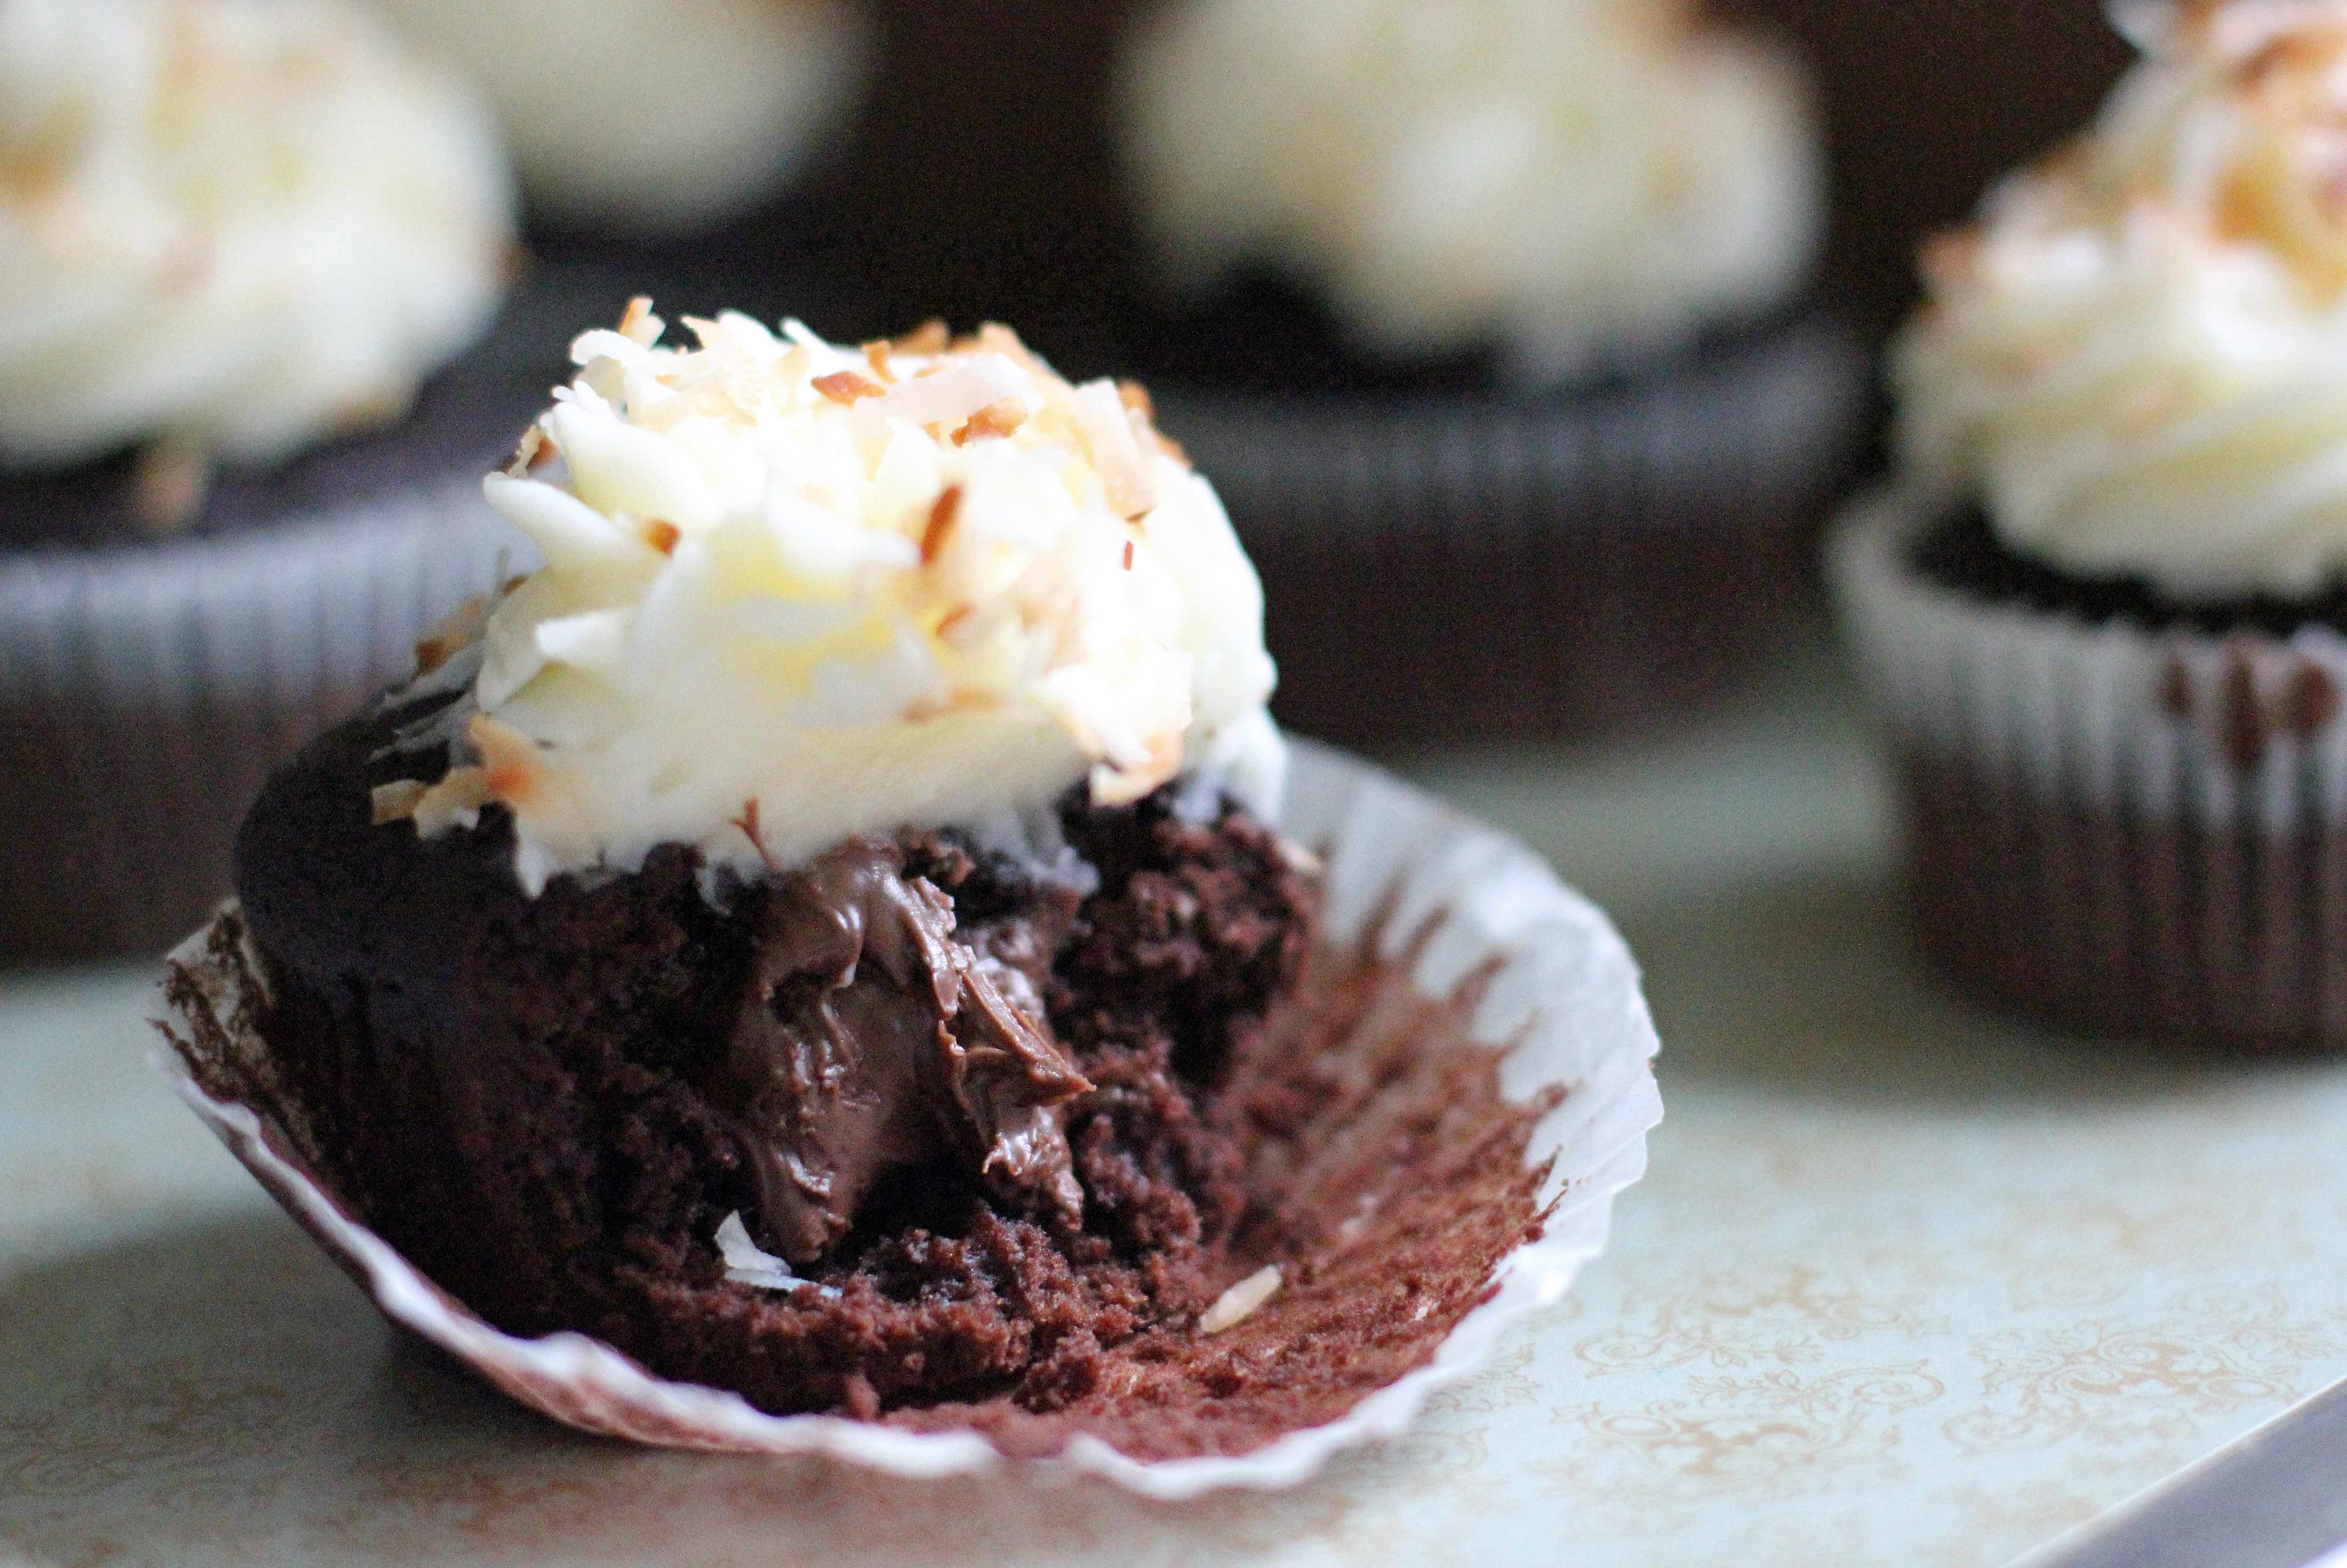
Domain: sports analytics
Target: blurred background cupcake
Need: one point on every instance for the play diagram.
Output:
(1484, 314)
(244, 246)
(1562, 190)
(2102, 611)
(652, 116)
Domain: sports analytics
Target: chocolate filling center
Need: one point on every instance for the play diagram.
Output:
(869, 1037)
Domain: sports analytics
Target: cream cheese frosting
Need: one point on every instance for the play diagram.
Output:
(1579, 180)
(795, 592)
(2136, 356)
(653, 114)
(236, 226)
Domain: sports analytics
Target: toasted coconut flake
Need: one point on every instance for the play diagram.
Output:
(1108, 436)
(932, 336)
(1001, 417)
(846, 386)
(994, 335)
(750, 829)
(1113, 786)
(513, 772)
(530, 451)
(1135, 397)
(459, 629)
(947, 393)
(876, 354)
(942, 521)
(1234, 1305)
(638, 326)
(747, 1264)
(455, 802)
(662, 535)
(394, 802)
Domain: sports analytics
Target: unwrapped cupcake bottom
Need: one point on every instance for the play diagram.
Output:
(2126, 830)
(1447, 567)
(1464, 1007)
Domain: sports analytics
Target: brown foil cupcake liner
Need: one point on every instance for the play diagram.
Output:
(145, 694)
(1476, 976)
(2125, 831)
(1453, 568)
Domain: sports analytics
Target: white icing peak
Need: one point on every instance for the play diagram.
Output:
(2138, 355)
(240, 225)
(795, 593)
(652, 114)
(1581, 180)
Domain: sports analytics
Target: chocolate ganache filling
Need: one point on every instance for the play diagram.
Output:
(869, 1037)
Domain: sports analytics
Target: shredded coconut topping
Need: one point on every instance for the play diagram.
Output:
(1241, 1301)
(229, 228)
(1581, 182)
(2138, 355)
(795, 591)
(748, 1263)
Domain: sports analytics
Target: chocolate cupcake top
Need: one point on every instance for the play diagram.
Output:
(650, 114)
(230, 227)
(797, 592)
(1577, 182)
(2135, 357)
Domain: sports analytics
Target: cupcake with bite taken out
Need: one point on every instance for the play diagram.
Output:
(825, 936)
(2104, 613)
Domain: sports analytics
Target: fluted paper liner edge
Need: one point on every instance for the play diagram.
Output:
(1557, 986)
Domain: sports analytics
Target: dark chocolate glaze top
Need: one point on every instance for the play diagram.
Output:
(1963, 551)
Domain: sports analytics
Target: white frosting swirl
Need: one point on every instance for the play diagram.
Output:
(652, 114)
(239, 224)
(1580, 181)
(795, 592)
(2138, 356)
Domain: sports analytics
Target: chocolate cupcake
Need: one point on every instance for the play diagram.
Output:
(1487, 320)
(240, 245)
(2101, 616)
(824, 936)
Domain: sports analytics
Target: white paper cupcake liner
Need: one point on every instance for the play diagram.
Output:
(1448, 566)
(2132, 830)
(1556, 988)
(146, 690)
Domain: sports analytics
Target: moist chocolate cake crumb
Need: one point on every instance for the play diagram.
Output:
(528, 1098)
(1963, 551)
